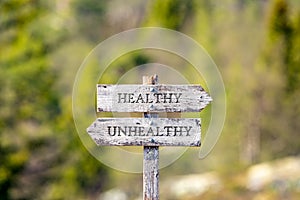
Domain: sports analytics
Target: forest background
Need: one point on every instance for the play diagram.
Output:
(255, 45)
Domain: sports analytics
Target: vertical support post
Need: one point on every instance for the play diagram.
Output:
(151, 156)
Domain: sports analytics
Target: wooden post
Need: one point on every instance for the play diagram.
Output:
(151, 156)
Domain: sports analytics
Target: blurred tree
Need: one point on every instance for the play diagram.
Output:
(28, 100)
(259, 85)
(281, 57)
(90, 16)
(284, 35)
(169, 14)
(39, 155)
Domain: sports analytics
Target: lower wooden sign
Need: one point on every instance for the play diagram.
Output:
(146, 131)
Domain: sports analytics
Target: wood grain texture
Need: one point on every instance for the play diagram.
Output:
(151, 173)
(146, 131)
(151, 156)
(151, 98)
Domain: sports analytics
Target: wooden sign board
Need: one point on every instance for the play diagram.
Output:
(151, 98)
(146, 131)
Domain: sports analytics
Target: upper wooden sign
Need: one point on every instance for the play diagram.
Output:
(151, 98)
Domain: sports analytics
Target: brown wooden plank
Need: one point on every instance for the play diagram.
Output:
(146, 131)
(151, 98)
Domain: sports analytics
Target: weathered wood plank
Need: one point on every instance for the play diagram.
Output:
(151, 157)
(151, 98)
(151, 173)
(146, 131)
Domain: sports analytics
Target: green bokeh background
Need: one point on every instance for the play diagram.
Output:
(255, 44)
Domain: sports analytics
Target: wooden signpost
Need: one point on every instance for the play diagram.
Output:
(150, 131)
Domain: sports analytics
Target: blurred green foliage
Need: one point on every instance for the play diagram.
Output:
(28, 100)
(89, 15)
(255, 44)
(40, 155)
